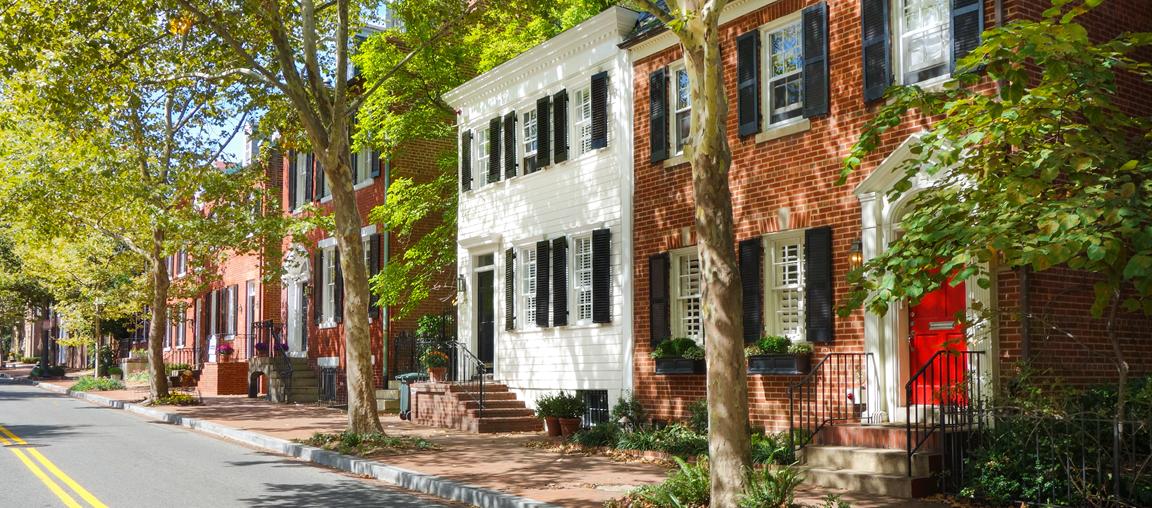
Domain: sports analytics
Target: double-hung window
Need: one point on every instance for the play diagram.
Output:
(682, 100)
(302, 174)
(582, 277)
(925, 39)
(328, 274)
(483, 137)
(785, 64)
(686, 295)
(584, 119)
(528, 281)
(362, 166)
(531, 144)
(784, 278)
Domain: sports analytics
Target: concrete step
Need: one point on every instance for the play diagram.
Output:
(493, 404)
(390, 405)
(876, 460)
(893, 485)
(388, 394)
(488, 425)
(501, 412)
(394, 384)
(488, 388)
(467, 396)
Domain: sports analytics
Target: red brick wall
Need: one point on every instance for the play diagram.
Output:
(224, 379)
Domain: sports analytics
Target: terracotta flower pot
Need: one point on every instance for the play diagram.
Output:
(437, 374)
(552, 424)
(569, 426)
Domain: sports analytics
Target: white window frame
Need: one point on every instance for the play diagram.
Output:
(483, 137)
(766, 32)
(531, 132)
(301, 169)
(582, 116)
(581, 297)
(900, 45)
(773, 291)
(362, 171)
(231, 309)
(328, 279)
(673, 100)
(181, 331)
(528, 281)
(683, 304)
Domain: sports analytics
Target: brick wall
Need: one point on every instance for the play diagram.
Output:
(224, 379)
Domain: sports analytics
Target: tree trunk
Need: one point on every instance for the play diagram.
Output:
(99, 340)
(721, 298)
(362, 412)
(1121, 389)
(158, 379)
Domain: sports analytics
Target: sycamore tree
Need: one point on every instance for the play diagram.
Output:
(696, 25)
(1048, 170)
(102, 132)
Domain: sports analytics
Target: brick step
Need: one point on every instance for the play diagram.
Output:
(876, 460)
(893, 437)
(488, 425)
(387, 394)
(893, 485)
(501, 412)
(493, 404)
(488, 387)
(470, 396)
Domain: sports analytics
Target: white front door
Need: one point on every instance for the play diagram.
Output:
(296, 317)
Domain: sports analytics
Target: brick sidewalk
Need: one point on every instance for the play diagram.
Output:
(498, 462)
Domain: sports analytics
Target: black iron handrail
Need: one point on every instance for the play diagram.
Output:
(945, 398)
(270, 344)
(836, 390)
(466, 371)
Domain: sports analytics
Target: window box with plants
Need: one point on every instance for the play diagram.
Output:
(775, 354)
(679, 356)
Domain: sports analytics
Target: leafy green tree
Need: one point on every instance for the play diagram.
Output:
(1049, 170)
(696, 25)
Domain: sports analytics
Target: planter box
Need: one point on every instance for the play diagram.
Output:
(679, 366)
(780, 364)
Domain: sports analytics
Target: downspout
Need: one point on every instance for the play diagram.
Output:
(1025, 314)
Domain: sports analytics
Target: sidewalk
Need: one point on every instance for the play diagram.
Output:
(499, 462)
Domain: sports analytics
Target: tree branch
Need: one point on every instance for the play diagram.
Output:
(222, 32)
(651, 7)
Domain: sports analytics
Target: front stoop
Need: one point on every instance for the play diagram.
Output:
(457, 407)
(869, 459)
(305, 385)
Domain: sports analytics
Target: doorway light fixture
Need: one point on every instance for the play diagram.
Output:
(855, 256)
(460, 284)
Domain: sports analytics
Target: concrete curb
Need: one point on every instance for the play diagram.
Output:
(406, 478)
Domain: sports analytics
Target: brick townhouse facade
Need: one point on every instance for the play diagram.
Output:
(802, 78)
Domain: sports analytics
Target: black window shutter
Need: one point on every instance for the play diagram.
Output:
(819, 314)
(602, 276)
(292, 165)
(317, 285)
(658, 114)
(874, 26)
(543, 261)
(494, 150)
(748, 82)
(600, 110)
(308, 178)
(509, 289)
(560, 126)
(543, 127)
(750, 284)
(466, 161)
(814, 27)
(373, 266)
(967, 24)
(321, 183)
(338, 307)
(560, 281)
(510, 145)
(659, 304)
(374, 162)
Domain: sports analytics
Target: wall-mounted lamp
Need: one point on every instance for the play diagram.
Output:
(855, 256)
(460, 284)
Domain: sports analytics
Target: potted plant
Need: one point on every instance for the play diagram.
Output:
(546, 409)
(177, 369)
(569, 409)
(436, 362)
(225, 351)
(116, 373)
(777, 354)
(680, 355)
(261, 348)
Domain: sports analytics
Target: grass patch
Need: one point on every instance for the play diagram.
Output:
(176, 399)
(97, 384)
(137, 377)
(363, 445)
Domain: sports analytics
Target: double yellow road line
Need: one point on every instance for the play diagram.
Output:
(15, 444)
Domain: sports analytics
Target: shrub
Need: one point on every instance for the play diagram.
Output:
(569, 406)
(176, 399)
(698, 416)
(601, 434)
(693, 353)
(52, 371)
(115, 371)
(771, 487)
(774, 344)
(179, 366)
(546, 406)
(351, 443)
(674, 348)
(687, 486)
(433, 358)
(628, 406)
(676, 439)
(96, 384)
(772, 449)
(800, 348)
(29, 359)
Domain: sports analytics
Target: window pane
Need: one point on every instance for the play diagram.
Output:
(528, 288)
(683, 92)
(530, 132)
(785, 62)
(688, 296)
(582, 278)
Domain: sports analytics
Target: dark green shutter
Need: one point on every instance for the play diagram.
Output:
(560, 281)
(659, 304)
(602, 276)
(748, 82)
(967, 24)
(373, 267)
(814, 26)
(466, 161)
(292, 163)
(308, 177)
(321, 183)
(819, 314)
(560, 126)
(509, 290)
(510, 145)
(543, 128)
(658, 114)
(494, 150)
(874, 27)
(317, 286)
(599, 110)
(750, 285)
(543, 261)
(338, 307)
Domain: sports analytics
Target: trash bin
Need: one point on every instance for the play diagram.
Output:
(406, 381)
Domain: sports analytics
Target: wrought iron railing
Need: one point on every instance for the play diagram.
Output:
(466, 371)
(837, 390)
(944, 403)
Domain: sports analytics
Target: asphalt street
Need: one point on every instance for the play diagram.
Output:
(60, 451)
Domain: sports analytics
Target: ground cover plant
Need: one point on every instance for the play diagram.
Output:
(96, 384)
(176, 399)
(366, 445)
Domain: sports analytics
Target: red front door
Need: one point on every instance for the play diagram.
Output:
(934, 327)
